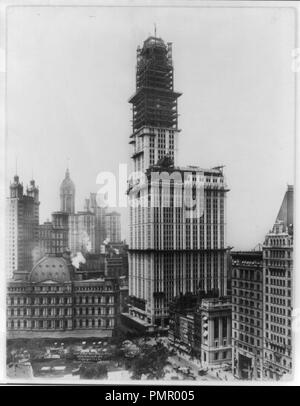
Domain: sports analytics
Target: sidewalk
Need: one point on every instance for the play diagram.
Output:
(222, 375)
(195, 365)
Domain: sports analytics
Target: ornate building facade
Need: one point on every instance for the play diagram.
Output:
(67, 194)
(53, 297)
(215, 330)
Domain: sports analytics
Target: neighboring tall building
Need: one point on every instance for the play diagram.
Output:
(176, 246)
(278, 289)
(113, 227)
(67, 194)
(247, 314)
(22, 226)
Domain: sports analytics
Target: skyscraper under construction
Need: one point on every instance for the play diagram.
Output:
(177, 214)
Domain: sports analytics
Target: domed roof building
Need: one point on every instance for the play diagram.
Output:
(67, 194)
(52, 269)
(54, 297)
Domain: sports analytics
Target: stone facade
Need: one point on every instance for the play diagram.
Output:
(53, 297)
(247, 314)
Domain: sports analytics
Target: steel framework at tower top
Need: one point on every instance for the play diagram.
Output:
(155, 102)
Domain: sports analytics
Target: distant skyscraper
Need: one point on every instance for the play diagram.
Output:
(22, 226)
(99, 211)
(54, 235)
(45, 238)
(113, 227)
(60, 232)
(82, 232)
(171, 250)
(67, 194)
(278, 288)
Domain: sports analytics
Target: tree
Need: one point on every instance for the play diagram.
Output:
(150, 362)
(93, 371)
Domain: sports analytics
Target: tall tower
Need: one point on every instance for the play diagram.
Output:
(278, 289)
(22, 226)
(67, 194)
(176, 246)
(154, 105)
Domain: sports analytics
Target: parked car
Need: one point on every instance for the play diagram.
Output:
(202, 372)
(227, 368)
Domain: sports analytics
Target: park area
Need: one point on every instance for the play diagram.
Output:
(113, 359)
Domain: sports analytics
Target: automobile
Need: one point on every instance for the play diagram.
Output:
(202, 372)
(76, 371)
(184, 370)
(227, 368)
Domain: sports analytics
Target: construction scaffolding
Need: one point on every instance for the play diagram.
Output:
(155, 102)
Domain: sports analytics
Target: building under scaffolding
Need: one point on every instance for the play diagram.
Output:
(155, 102)
(170, 253)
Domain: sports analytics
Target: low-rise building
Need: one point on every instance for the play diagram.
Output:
(54, 298)
(216, 331)
(182, 323)
(201, 326)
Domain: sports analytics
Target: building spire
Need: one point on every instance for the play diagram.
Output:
(155, 30)
(68, 168)
(67, 194)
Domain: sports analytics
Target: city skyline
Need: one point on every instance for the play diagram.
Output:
(199, 282)
(85, 106)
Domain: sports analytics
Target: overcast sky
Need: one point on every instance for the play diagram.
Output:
(71, 72)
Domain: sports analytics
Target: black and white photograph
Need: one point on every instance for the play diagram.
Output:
(149, 185)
